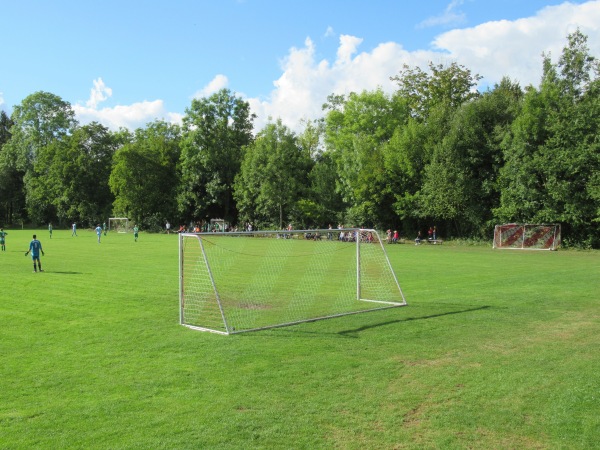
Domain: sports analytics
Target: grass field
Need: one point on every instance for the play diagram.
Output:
(496, 349)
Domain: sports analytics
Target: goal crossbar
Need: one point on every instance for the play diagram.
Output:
(246, 281)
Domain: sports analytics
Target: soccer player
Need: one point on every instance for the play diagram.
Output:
(3, 239)
(50, 229)
(135, 232)
(104, 228)
(74, 227)
(99, 232)
(35, 247)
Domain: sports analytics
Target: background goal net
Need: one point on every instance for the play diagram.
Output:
(527, 236)
(241, 281)
(118, 224)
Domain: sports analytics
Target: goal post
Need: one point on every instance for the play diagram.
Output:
(244, 281)
(118, 224)
(527, 236)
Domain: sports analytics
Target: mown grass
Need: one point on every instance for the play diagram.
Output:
(496, 349)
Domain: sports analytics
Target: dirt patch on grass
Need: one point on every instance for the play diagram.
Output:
(254, 306)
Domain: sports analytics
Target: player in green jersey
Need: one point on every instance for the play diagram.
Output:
(135, 232)
(3, 239)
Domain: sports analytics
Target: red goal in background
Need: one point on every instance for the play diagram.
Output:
(527, 236)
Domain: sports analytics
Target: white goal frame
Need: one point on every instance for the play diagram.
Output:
(117, 228)
(514, 236)
(236, 282)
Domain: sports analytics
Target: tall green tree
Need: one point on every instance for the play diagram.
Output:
(144, 177)
(520, 180)
(215, 131)
(404, 160)
(460, 183)
(273, 178)
(322, 204)
(406, 157)
(5, 125)
(69, 178)
(414, 156)
(11, 193)
(40, 120)
(356, 131)
(452, 85)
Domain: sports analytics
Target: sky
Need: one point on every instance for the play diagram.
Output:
(125, 63)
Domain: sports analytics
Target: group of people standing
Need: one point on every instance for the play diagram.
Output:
(393, 237)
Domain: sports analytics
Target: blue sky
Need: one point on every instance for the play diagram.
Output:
(124, 63)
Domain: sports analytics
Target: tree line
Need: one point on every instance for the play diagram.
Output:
(434, 152)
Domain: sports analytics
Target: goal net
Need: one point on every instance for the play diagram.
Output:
(118, 224)
(242, 281)
(527, 236)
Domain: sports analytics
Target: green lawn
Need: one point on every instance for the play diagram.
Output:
(496, 349)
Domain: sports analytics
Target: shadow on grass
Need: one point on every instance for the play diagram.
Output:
(408, 319)
(293, 330)
(58, 272)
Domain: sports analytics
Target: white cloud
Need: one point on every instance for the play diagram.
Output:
(514, 48)
(305, 82)
(216, 84)
(329, 32)
(137, 114)
(450, 16)
(129, 116)
(99, 93)
(348, 47)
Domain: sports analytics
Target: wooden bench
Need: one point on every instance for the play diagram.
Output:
(433, 241)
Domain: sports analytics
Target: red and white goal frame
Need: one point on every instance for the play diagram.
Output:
(516, 236)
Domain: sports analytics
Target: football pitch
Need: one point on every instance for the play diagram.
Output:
(496, 349)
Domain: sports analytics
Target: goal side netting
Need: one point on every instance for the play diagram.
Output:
(527, 236)
(118, 224)
(243, 281)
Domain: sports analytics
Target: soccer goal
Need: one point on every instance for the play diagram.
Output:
(218, 225)
(118, 224)
(243, 281)
(527, 236)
